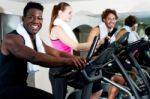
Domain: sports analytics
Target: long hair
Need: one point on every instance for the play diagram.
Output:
(61, 6)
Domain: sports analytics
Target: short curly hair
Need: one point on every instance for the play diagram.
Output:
(130, 20)
(107, 12)
(31, 5)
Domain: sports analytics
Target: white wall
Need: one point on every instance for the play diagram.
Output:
(11, 7)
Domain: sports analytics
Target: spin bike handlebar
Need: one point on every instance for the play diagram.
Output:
(140, 44)
(88, 58)
(92, 48)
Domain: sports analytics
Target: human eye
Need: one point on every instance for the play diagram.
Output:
(40, 18)
(29, 17)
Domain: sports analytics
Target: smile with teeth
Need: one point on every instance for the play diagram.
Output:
(34, 27)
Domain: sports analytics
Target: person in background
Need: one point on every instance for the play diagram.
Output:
(134, 30)
(63, 39)
(0, 45)
(22, 48)
(147, 33)
(145, 56)
(109, 19)
(130, 25)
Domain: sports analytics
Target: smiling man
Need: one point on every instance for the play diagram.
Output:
(22, 50)
(109, 18)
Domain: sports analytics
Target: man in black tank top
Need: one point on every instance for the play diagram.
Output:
(14, 56)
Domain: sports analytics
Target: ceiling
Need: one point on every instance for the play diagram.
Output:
(46, 1)
(143, 17)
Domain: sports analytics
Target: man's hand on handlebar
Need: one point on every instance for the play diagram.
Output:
(78, 62)
(102, 41)
(109, 38)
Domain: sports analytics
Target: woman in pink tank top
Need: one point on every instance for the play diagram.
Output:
(60, 38)
(63, 41)
(59, 45)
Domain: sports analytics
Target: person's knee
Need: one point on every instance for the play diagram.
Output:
(118, 79)
(96, 94)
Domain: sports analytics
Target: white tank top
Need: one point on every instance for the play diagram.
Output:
(133, 36)
(104, 32)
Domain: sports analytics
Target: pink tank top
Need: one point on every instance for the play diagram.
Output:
(59, 45)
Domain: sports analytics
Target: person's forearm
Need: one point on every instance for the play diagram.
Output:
(84, 46)
(62, 54)
(51, 61)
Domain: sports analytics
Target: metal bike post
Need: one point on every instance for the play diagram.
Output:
(126, 77)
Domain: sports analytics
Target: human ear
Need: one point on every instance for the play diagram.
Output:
(22, 18)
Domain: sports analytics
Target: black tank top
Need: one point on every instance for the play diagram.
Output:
(13, 70)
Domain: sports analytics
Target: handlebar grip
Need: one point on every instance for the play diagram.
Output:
(93, 78)
(112, 32)
(92, 48)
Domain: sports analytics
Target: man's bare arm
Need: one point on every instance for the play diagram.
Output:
(13, 44)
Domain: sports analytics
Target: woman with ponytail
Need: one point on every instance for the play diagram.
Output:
(61, 35)
(63, 39)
